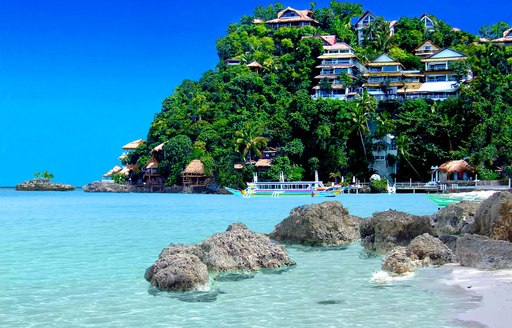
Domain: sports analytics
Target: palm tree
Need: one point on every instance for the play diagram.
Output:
(250, 140)
(362, 113)
(402, 145)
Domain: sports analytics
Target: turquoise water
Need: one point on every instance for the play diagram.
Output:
(77, 260)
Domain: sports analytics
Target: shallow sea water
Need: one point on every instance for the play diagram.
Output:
(78, 259)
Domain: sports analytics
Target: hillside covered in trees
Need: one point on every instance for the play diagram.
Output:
(234, 112)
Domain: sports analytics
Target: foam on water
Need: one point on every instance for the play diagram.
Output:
(78, 260)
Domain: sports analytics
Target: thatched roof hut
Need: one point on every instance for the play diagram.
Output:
(194, 175)
(116, 169)
(460, 166)
(128, 169)
(194, 168)
(133, 145)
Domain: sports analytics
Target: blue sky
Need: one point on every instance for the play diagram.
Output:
(79, 79)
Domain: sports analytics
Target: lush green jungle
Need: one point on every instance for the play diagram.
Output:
(232, 113)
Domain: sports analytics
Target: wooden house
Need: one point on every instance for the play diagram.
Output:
(194, 174)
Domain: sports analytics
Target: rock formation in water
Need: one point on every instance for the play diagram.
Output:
(484, 253)
(178, 272)
(328, 223)
(236, 250)
(107, 187)
(454, 219)
(41, 184)
(494, 217)
(385, 230)
(424, 250)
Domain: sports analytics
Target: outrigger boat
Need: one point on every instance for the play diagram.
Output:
(285, 188)
(447, 199)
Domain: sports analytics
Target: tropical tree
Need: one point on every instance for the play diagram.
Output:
(402, 145)
(250, 141)
(362, 113)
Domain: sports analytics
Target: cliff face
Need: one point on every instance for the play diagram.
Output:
(40, 184)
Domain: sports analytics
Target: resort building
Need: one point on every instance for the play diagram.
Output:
(131, 146)
(292, 17)
(455, 170)
(427, 48)
(362, 25)
(194, 175)
(428, 22)
(443, 74)
(338, 70)
(384, 153)
(506, 40)
(385, 75)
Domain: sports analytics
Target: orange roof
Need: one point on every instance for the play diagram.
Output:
(455, 166)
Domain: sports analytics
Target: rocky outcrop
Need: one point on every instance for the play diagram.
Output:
(385, 230)
(430, 251)
(41, 184)
(107, 187)
(494, 217)
(328, 223)
(454, 219)
(424, 250)
(397, 261)
(483, 253)
(236, 250)
(178, 272)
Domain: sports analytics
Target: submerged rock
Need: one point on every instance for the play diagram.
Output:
(328, 223)
(40, 184)
(385, 230)
(236, 250)
(107, 187)
(483, 253)
(178, 272)
(494, 217)
(454, 218)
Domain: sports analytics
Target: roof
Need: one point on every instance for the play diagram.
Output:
(160, 147)
(507, 37)
(152, 163)
(301, 16)
(133, 145)
(342, 55)
(238, 166)
(455, 166)
(338, 46)
(363, 16)
(194, 167)
(449, 86)
(329, 39)
(113, 171)
(254, 64)
(410, 87)
(130, 167)
(426, 42)
(263, 162)
(445, 54)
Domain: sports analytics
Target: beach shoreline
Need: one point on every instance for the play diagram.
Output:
(493, 289)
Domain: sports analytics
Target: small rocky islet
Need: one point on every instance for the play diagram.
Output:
(474, 235)
(43, 184)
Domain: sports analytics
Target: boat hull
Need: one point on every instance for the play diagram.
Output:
(247, 193)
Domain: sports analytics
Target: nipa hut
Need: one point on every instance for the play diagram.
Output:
(194, 175)
(456, 170)
(116, 169)
(133, 145)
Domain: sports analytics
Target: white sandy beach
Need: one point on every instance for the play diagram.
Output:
(495, 290)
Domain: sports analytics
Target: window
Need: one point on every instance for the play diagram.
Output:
(390, 68)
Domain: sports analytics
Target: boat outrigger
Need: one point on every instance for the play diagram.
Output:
(285, 188)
